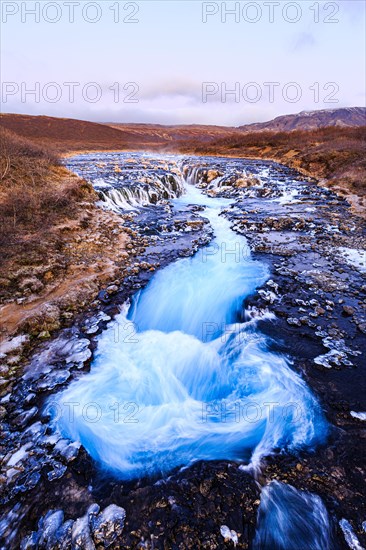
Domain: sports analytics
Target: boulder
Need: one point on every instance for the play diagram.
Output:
(348, 311)
(212, 175)
(108, 525)
(246, 182)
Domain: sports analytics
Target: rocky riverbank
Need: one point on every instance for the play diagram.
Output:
(54, 496)
(316, 252)
(35, 463)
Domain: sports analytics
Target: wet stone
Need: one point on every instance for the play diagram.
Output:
(2, 412)
(52, 522)
(112, 289)
(93, 511)
(81, 538)
(30, 542)
(24, 418)
(66, 450)
(49, 382)
(57, 472)
(34, 432)
(108, 525)
(348, 311)
(63, 536)
(294, 322)
(28, 484)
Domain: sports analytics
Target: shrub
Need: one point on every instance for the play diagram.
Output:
(35, 191)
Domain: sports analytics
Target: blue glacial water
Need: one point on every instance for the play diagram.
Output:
(195, 378)
(289, 519)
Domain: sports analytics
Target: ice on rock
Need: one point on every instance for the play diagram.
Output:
(93, 511)
(34, 432)
(55, 378)
(57, 472)
(12, 345)
(63, 535)
(338, 354)
(52, 522)
(108, 525)
(358, 415)
(350, 535)
(333, 357)
(30, 542)
(67, 349)
(228, 534)
(80, 536)
(23, 418)
(66, 449)
(79, 351)
(268, 296)
(93, 530)
(19, 455)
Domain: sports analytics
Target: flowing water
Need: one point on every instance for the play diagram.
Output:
(191, 378)
(183, 374)
(292, 520)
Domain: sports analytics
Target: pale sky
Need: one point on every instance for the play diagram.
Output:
(178, 60)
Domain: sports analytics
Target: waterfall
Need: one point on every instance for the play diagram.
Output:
(137, 195)
(193, 174)
(124, 186)
(180, 376)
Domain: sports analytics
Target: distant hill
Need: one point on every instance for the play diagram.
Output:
(312, 120)
(66, 134)
(177, 133)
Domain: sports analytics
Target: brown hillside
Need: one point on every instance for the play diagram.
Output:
(165, 135)
(56, 247)
(68, 134)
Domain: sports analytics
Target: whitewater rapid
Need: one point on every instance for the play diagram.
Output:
(182, 374)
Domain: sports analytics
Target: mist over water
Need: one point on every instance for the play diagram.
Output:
(194, 379)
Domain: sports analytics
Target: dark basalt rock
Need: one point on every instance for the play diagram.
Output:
(188, 509)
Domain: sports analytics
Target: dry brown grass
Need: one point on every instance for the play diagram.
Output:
(57, 249)
(35, 192)
(64, 134)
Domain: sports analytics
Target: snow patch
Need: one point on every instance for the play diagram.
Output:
(358, 415)
(354, 257)
(350, 535)
(228, 534)
(288, 197)
(15, 344)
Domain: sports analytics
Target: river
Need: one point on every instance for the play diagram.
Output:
(183, 374)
